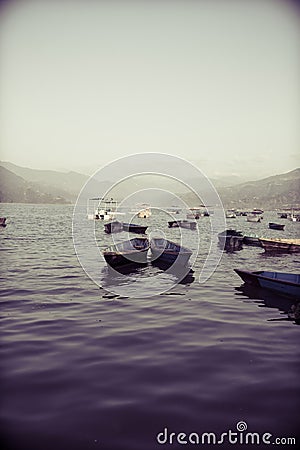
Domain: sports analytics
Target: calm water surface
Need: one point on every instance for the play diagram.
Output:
(82, 368)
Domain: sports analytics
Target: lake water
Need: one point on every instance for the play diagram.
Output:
(83, 368)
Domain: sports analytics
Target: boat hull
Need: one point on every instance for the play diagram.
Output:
(182, 224)
(276, 226)
(253, 219)
(282, 283)
(250, 240)
(231, 240)
(2, 222)
(281, 246)
(117, 227)
(169, 257)
(132, 228)
(113, 227)
(167, 252)
(134, 258)
(134, 251)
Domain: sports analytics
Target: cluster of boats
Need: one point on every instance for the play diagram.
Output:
(117, 227)
(232, 240)
(287, 284)
(135, 251)
(107, 209)
(252, 216)
(256, 215)
(293, 215)
(142, 250)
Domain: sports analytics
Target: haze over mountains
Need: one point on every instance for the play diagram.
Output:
(269, 193)
(25, 185)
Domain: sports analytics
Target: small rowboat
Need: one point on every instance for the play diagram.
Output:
(253, 218)
(168, 252)
(276, 226)
(117, 227)
(283, 283)
(231, 240)
(182, 224)
(281, 245)
(2, 222)
(230, 215)
(193, 216)
(133, 228)
(133, 251)
(113, 227)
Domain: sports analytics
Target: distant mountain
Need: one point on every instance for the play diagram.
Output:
(67, 185)
(25, 185)
(21, 184)
(14, 189)
(273, 192)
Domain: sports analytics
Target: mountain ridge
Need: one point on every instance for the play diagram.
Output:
(281, 190)
(25, 185)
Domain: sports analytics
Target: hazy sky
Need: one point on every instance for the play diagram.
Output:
(216, 82)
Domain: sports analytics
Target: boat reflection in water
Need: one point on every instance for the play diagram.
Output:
(183, 274)
(268, 299)
(118, 276)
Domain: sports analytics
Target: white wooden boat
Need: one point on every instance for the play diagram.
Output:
(253, 218)
(144, 211)
(230, 214)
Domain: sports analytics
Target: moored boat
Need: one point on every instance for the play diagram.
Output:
(133, 251)
(253, 218)
(231, 240)
(281, 245)
(105, 209)
(193, 216)
(117, 227)
(144, 211)
(282, 215)
(113, 227)
(257, 211)
(252, 240)
(230, 214)
(2, 222)
(182, 224)
(195, 213)
(281, 282)
(134, 228)
(294, 215)
(168, 252)
(276, 226)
